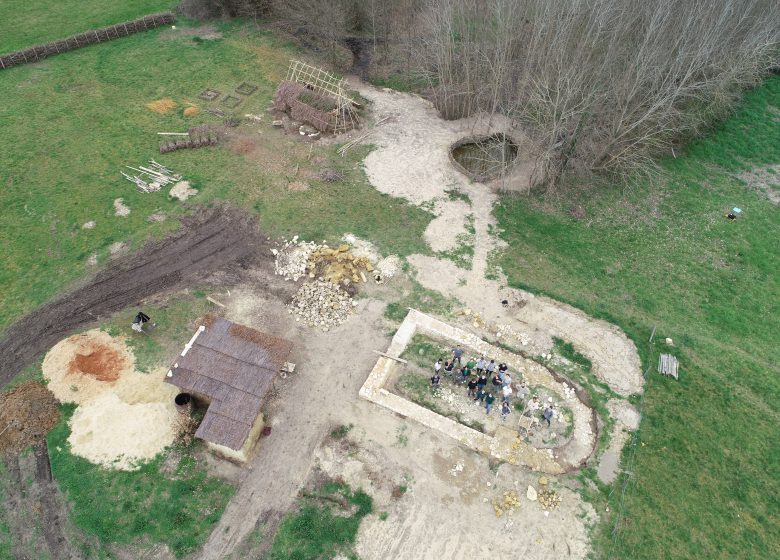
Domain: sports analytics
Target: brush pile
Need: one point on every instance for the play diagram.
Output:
(198, 137)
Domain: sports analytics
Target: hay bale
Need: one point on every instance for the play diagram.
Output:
(162, 106)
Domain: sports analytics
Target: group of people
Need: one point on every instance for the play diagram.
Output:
(485, 380)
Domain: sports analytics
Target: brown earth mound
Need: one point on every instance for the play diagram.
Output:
(215, 240)
(27, 413)
(102, 363)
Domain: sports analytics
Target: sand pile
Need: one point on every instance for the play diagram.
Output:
(113, 433)
(27, 413)
(124, 416)
(83, 365)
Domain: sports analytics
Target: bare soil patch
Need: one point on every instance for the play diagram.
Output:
(211, 240)
(83, 365)
(102, 363)
(27, 413)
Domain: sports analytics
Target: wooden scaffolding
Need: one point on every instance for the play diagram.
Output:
(326, 84)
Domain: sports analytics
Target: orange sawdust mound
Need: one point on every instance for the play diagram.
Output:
(101, 363)
(191, 111)
(27, 413)
(165, 105)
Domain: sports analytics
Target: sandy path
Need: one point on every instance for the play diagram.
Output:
(420, 139)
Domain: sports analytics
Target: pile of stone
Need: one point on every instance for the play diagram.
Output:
(568, 392)
(321, 304)
(508, 505)
(339, 266)
(475, 318)
(506, 332)
(292, 258)
(549, 499)
(387, 268)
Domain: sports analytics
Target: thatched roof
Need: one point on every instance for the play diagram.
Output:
(235, 367)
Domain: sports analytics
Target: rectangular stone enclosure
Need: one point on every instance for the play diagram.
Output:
(506, 445)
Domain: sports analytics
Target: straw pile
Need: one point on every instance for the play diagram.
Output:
(339, 266)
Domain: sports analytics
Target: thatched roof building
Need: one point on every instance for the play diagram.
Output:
(231, 367)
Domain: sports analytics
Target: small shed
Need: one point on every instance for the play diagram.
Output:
(230, 368)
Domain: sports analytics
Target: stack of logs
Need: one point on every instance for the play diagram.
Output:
(198, 137)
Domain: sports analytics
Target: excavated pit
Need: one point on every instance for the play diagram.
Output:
(483, 158)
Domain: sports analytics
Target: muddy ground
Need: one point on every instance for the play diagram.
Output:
(36, 511)
(211, 240)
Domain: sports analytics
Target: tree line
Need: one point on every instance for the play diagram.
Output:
(598, 85)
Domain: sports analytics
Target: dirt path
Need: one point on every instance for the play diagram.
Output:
(420, 139)
(331, 367)
(33, 503)
(210, 240)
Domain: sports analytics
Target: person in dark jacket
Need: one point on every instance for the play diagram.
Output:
(489, 398)
(473, 388)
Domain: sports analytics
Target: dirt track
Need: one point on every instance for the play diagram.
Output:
(210, 240)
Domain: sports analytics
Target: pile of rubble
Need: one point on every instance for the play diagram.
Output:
(475, 318)
(339, 265)
(321, 304)
(508, 505)
(292, 259)
(549, 499)
(506, 332)
(297, 259)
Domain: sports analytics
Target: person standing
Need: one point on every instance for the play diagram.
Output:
(435, 380)
(457, 354)
(139, 321)
(464, 374)
(481, 394)
(448, 369)
(496, 382)
(472, 388)
(507, 379)
(489, 398)
(481, 363)
(522, 391)
(490, 368)
(506, 393)
(437, 366)
(548, 415)
(471, 364)
(534, 405)
(505, 410)
(482, 381)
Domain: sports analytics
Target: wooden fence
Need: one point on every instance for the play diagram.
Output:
(101, 35)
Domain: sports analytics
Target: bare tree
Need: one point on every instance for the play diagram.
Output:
(607, 84)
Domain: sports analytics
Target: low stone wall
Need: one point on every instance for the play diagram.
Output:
(38, 52)
(506, 445)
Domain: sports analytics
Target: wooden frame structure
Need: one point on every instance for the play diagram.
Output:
(326, 84)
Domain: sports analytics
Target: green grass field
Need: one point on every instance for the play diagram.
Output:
(142, 507)
(72, 122)
(25, 23)
(705, 474)
(706, 477)
(324, 526)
